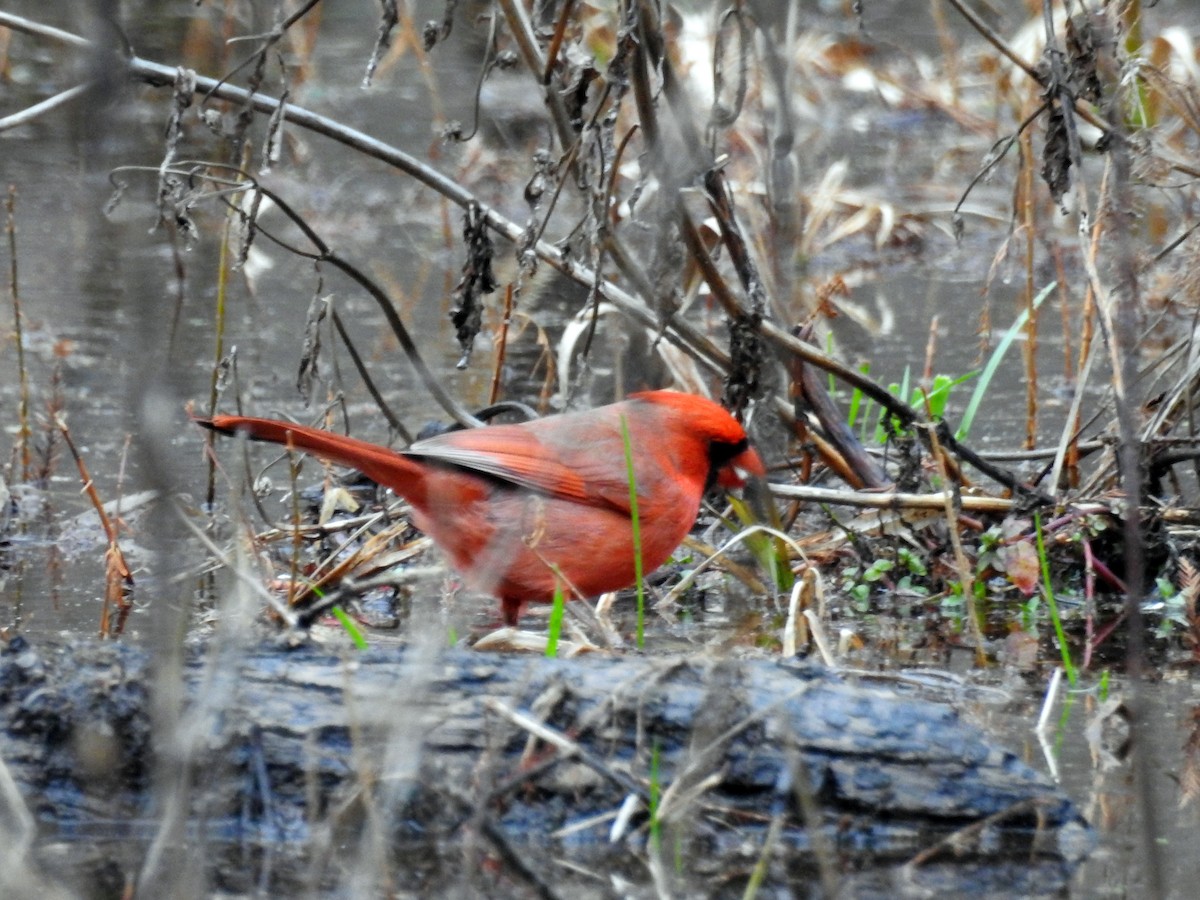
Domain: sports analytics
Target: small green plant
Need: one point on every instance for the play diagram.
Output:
(938, 394)
(858, 584)
(990, 543)
(934, 400)
(856, 399)
(912, 563)
(1175, 614)
(1029, 614)
(859, 593)
(953, 605)
(888, 426)
(876, 570)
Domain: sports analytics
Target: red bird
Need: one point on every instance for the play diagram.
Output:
(514, 504)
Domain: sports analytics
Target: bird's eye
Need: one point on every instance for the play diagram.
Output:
(720, 453)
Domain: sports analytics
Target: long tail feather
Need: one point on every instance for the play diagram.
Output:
(401, 474)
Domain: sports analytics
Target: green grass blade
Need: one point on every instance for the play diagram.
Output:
(347, 623)
(352, 629)
(993, 363)
(1052, 604)
(939, 394)
(856, 398)
(556, 617)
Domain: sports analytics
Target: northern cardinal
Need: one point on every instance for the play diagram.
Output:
(521, 508)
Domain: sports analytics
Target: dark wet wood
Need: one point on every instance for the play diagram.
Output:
(306, 752)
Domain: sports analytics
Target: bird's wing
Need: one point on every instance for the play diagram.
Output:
(581, 471)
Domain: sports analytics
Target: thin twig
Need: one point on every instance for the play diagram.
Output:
(565, 746)
(890, 499)
(118, 575)
(31, 113)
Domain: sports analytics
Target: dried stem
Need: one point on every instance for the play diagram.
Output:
(23, 430)
(118, 578)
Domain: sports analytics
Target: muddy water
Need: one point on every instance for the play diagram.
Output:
(105, 317)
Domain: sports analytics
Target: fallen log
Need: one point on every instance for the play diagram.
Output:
(453, 771)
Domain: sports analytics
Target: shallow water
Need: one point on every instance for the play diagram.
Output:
(99, 297)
